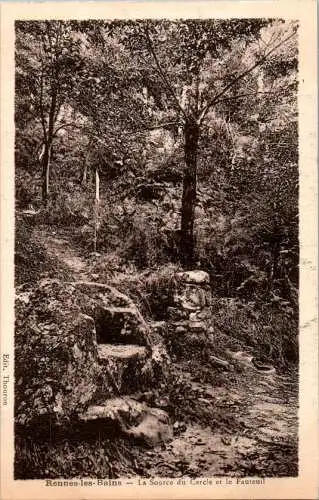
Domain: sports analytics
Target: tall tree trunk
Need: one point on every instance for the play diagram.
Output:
(49, 136)
(46, 159)
(187, 246)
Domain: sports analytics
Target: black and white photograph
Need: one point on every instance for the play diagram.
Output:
(156, 250)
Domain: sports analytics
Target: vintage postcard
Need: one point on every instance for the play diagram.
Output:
(159, 329)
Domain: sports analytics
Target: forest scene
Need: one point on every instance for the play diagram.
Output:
(156, 248)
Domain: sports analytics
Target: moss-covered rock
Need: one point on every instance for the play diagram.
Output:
(60, 366)
(55, 353)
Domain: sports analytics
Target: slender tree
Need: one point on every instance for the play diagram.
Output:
(47, 62)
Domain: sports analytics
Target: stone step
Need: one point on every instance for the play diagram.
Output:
(129, 417)
(121, 351)
(123, 368)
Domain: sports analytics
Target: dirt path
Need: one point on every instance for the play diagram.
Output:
(58, 246)
(255, 436)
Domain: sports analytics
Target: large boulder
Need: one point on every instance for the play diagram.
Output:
(125, 415)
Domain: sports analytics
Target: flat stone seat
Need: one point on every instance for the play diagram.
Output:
(121, 351)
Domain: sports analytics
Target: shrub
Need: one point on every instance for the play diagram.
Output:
(269, 329)
(31, 260)
(65, 208)
(27, 187)
(252, 253)
(152, 290)
(144, 245)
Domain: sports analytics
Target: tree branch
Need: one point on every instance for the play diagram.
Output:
(240, 96)
(241, 76)
(155, 127)
(65, 125)
(145, 129)
(162, 74)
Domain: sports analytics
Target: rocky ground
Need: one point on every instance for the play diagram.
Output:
(239, 422)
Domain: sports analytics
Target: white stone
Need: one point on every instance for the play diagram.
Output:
(196, 277)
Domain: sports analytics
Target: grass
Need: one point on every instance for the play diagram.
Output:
(67, 458)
